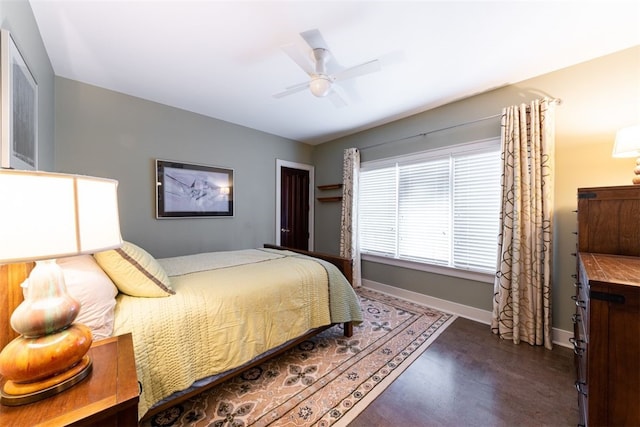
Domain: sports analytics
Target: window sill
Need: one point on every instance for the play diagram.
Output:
(437, 269)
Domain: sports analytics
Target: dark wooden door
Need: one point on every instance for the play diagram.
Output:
(294, 208)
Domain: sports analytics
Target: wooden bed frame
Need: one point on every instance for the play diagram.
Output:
(12, 275)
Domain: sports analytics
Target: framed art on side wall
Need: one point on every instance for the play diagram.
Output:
(188, 190)
(19, 105)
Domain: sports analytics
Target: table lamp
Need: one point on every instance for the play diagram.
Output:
(46, 216)
(628, 145)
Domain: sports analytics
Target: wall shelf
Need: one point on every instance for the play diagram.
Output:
(330, 199)
(329, 187)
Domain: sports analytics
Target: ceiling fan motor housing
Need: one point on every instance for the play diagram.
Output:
(321, 57)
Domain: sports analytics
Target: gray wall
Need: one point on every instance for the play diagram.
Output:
(104, 133)
(598, 98)
(17, 17)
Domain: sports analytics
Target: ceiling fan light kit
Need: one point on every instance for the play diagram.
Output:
(320, 85)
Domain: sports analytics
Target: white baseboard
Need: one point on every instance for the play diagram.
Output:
(560, 336)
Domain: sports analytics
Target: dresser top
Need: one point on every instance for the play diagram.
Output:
(611, 187)
(623, 270)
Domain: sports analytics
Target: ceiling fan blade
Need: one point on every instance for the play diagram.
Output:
(303, 85)
(314, 39)
(292, 89)
(336, 97)
(359, 70)
(303, 61)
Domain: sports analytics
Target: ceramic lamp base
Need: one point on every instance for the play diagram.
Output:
(15, 394)
(27, 360)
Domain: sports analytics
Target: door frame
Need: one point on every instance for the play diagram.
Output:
(293, 165)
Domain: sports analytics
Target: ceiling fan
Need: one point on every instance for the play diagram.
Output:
(323, 69)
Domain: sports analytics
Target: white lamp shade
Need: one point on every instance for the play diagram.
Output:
(48, 215)
(627, 142)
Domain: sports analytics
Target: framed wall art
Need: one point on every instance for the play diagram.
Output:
(187, 190)
(19, 108)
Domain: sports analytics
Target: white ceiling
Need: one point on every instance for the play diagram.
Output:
(224, 59)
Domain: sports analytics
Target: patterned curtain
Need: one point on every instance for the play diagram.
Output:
(522, 288)
(349, 247)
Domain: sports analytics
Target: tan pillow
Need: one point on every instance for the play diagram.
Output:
(96, 293)
(134, 271)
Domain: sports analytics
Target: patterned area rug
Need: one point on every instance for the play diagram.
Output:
(326, 381)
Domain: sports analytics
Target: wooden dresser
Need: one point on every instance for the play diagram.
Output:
(607, 319)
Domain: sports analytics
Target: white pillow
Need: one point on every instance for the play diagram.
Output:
(96, 293)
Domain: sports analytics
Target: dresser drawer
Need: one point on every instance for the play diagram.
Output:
(582, 302)
(580, 350)
(582, 409)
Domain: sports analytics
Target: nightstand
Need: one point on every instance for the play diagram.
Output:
(107, 397)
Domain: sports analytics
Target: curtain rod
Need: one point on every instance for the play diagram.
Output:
(423, 134)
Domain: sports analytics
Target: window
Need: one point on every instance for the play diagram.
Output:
(440, 207)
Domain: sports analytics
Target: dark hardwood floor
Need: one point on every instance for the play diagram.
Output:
(470, 377)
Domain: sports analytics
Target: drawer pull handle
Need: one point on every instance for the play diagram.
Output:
(577, 285)
(579, 385)
(575, 318)
(575, 276)
(579, 302)
(576, 346)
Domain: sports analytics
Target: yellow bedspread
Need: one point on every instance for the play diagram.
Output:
(220, 319)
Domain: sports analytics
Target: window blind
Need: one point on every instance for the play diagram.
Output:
(377, 211)
(438, 207)
(424, 212)
(476, 207)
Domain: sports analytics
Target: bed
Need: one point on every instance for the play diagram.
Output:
(200, 319)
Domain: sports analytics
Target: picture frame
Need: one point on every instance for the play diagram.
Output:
(191, 190)
(19, 108)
